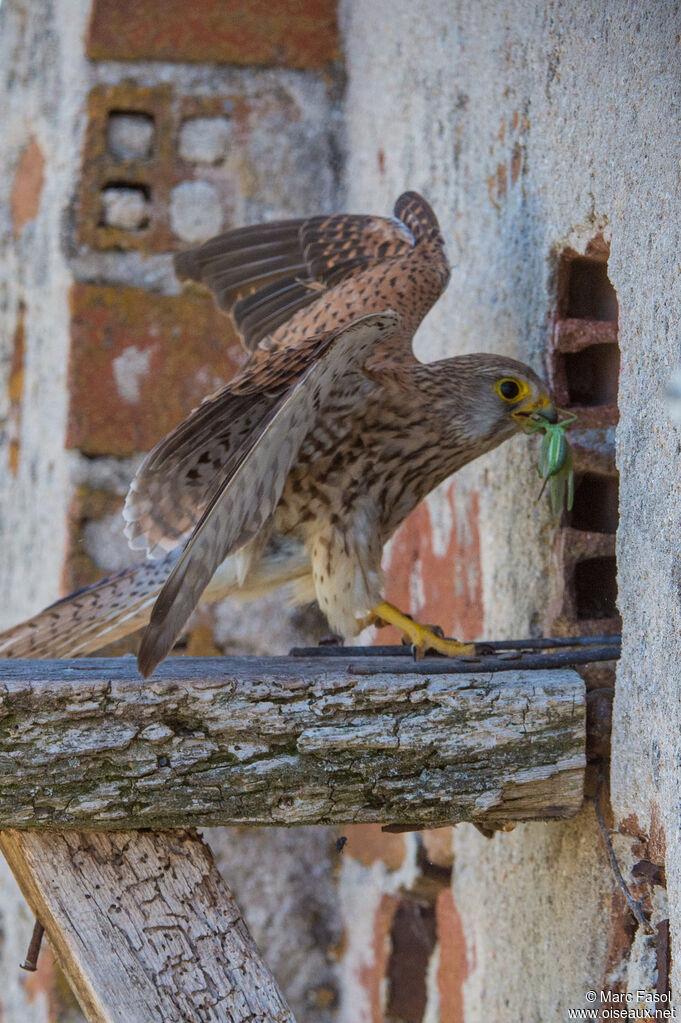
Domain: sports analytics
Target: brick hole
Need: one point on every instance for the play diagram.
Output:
(130, 186)
(130, 134)
(596, 504)
(125, 205)
(590, 294)
(412, 937)
(596, 588)
(592, 375)
(584, 367)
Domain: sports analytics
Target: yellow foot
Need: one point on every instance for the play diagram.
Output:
(422, 637)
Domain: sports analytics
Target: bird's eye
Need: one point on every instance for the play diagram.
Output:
(508, 388)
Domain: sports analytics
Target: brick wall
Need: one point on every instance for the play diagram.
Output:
(173, 154)
(135, 130)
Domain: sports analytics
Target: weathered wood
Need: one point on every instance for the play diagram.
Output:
(144, 927)
(86, 743)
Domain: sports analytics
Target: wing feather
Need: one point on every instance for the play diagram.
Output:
(178, 478)
(190, 265)
(247, 264)
(253, 309)
(247, 498)
(267, 276)
(267, 324)
(174, 483)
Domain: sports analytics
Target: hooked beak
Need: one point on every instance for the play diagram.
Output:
(543, 407)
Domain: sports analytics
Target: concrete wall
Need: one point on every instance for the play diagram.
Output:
(42, 124)
(42, 89)
(534, 127)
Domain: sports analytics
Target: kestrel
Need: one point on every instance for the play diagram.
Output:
(301, 468)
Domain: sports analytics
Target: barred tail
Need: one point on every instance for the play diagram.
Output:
(114, 607)
(92, 617)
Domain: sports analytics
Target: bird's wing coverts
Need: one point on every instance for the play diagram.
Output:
(174, 484)
(248, 494)
(179, 477)
(263, 274)
(283, 266)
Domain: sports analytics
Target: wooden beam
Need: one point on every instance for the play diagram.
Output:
(144, 927)
(85, 743)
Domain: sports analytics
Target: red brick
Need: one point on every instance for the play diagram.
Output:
(368, 844)
(156, 175)
(201, 643)
(412, 940)
(27, 187)
(657, 843)
(453, 968)
(630, 826)
(439, 846)
(452, 581)
(184, 349)
(373, 973)
(288, 33)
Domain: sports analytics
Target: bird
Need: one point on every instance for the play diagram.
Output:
(298, 471)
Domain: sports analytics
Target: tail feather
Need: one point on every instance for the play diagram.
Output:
(90, 618)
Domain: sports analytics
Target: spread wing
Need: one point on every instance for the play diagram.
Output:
(304, 279)
(263, 275)
(179, 477)
(248, 494)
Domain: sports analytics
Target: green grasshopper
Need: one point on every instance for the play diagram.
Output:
(555, 462)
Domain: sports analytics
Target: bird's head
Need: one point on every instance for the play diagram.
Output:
(501, 396)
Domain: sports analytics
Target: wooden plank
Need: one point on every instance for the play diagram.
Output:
(144, 927)
(85, 743)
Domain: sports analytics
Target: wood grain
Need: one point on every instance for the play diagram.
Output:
(86, 743)
(144, 927)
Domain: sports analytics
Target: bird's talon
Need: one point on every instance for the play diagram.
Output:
(430, 641)
(424, 638)
(437, 630)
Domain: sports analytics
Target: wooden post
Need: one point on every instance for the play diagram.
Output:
(144, 927)
(86, 743)
(140, 921)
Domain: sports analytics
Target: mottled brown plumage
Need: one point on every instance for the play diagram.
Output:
(303, 466)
